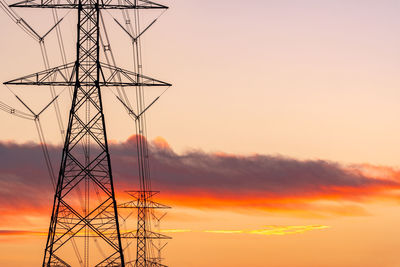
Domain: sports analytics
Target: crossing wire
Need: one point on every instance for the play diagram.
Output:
(107, 48)
(140, 122)
(15, 112)
(52, 90)
(40, 39)
(43, 144)
(18, 20)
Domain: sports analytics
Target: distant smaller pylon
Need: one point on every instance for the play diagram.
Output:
(145, 205)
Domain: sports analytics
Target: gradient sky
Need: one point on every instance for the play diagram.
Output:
(283, 115)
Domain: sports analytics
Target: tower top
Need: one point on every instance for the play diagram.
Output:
(108, 4)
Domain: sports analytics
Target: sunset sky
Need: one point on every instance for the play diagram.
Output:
(277, 144)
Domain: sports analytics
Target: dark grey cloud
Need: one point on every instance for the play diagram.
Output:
(25, 182)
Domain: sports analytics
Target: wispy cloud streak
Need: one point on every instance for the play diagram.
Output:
(273, 230)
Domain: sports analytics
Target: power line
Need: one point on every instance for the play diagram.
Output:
(86, 158)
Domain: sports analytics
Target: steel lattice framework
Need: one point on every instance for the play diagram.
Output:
(143, 203)
(85, 168)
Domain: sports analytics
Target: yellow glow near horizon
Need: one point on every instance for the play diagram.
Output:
(268, 230)
(273, 230)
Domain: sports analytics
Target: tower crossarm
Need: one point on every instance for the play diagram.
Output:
(110, 76)
(56, 76)
(148, 235)
(74, 4)
(85, 167)
(115, 76)
(140, 204)
(140, 194)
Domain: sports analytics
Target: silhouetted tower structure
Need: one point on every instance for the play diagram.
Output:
(85, 169)
(145, 205)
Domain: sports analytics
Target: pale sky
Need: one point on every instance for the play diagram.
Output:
(307, 79)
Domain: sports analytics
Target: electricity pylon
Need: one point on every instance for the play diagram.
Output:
(85, 170)
(145, 206)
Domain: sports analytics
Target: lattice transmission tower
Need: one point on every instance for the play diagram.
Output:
(85, 170)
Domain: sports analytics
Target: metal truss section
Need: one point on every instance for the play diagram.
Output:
(149, 205)
(143, 203)
(53, 76)
(109, 76)
(85, 217)
(108, 4)
(85, 170)
(121, 77)
(55, 261)
(143, 195)
(148, 235)
(138, 203)
(112, 261)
